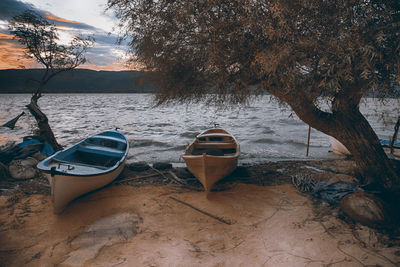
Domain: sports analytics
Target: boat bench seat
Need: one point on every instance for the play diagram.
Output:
(215, 134)
(105, 137)
(214, 145)
(214, 151)
(100, 150)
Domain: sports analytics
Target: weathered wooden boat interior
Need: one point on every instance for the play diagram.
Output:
(215, 144)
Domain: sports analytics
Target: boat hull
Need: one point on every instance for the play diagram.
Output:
(212, 156)
(339, 149)
(65, 188)
(86, 166)
(210, 169)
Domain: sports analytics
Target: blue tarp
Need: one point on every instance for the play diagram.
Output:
(333, 193)
(46, 150)
(26, 149)
(386, 143)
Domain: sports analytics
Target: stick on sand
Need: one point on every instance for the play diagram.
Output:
(202, 211)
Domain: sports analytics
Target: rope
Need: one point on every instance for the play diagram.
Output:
(304, 183)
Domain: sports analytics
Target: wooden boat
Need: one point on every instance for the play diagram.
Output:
(340, 149)
(88, 165)
(212, 156)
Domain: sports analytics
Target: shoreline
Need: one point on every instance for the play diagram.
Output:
(268, 173)
(139, 220)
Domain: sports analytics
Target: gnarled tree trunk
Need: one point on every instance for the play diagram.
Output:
(357, 135)
(45, 132)
(352, 129)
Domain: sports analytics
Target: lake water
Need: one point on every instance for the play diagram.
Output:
(265, 131)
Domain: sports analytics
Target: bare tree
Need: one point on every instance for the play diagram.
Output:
(302, 52)
(42, 44)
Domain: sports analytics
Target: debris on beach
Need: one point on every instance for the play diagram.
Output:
(342, 194)
(30, 146)
(365, 209)
(24, 168)
(139, 166)
(162, 166)
(333, 193)
(18, 161)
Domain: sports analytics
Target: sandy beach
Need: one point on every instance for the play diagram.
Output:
(265, 221)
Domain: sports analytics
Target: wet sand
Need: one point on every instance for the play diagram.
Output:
(125, 225)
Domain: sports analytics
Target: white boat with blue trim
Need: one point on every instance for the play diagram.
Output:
(394, 153)
(86, 166)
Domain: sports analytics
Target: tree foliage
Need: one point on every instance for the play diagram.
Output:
(317, 48)
(302, 52)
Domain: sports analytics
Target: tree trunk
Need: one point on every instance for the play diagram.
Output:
(357, 135)
(11, 124)
(351, 128)
(45, 131)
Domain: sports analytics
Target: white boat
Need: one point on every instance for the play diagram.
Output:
(88, 165)
(212, 156)
(339, 149)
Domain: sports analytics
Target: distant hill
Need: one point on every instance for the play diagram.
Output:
(76, 81)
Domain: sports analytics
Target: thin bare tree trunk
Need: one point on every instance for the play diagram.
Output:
(45, 131)
(11, 124)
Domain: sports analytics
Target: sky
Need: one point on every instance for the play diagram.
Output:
(72, 17)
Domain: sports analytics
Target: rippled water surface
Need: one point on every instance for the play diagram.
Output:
(263, 129)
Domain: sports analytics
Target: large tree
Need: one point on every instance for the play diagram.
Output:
(305, 53)
(42, 43)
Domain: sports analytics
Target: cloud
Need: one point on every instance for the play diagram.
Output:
(11, 8)
(57, 19)
(12, 54)
(67, 23)
(105, 55)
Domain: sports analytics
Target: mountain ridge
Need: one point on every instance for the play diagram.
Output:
(76, 81)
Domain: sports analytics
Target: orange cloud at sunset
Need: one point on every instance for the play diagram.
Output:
(12, 54)
(69, 20)
(6, 36)
(12, 57)
(52, 17)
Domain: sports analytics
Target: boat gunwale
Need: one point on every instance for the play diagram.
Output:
(47, 169)
(227, 156)
(59, 173)
(106, 137)
(185, 153)
(214, 134)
